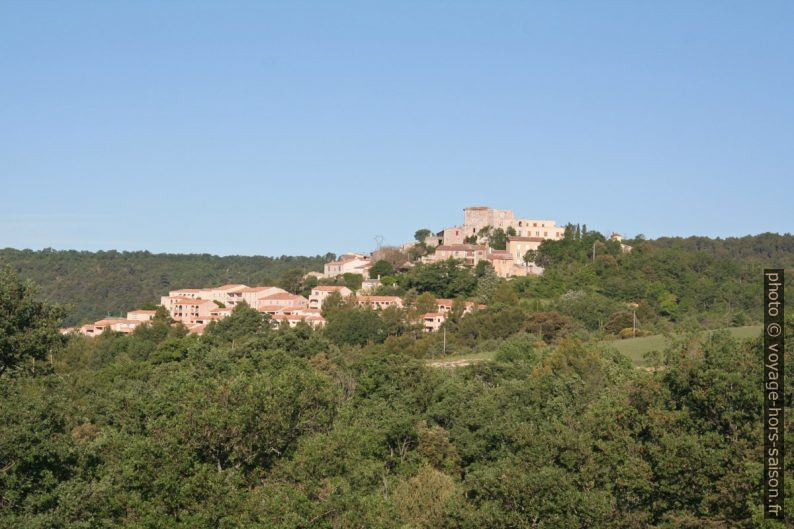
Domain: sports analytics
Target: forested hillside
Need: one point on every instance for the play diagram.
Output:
(99, 283)
(252, 426)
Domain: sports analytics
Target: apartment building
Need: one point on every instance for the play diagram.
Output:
(252, 295)
(321, 292)
(281, 299)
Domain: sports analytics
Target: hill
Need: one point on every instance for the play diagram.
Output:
(98, 283)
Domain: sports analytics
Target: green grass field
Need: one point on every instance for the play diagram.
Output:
(635, 348)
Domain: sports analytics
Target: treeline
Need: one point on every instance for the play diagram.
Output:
(96, 284)
(250, 426)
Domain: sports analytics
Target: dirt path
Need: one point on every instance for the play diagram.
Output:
(455, 363)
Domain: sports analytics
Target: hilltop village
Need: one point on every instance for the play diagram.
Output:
(486, 237)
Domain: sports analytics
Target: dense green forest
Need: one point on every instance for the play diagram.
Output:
(347, 427)
(100, 283)
(350, 426)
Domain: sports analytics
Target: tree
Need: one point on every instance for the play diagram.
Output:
(505, 294)
(422, 234)
(445, 279)
(333, 302)
(425, 303)
(549, 326)
(381, 268)
(530, 256)
(511, 231)
(353, 281)
(292, 281)
(354, 326)
(28, 328)
(243, 322)
(487, 281)
(498, 239)
(419, 250)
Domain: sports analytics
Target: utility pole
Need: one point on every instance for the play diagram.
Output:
(445, 341)
(633, 319)
(593, 250)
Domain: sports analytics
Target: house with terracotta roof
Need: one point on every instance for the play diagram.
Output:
(281, 299)
(351, 263)
(470, 254)
(378, 302)
(121, 325)
(518, 247)
(252, 295)
(229, 295)
(432, 321)
(445, 305)
(187, 309)
(320, 292)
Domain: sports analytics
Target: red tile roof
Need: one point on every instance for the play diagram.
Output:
(230, 286)
(256, 289)
(525, 239)
(460, 247)
(284, 295)
(501, 254)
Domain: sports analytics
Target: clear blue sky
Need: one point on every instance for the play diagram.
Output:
(305, 127)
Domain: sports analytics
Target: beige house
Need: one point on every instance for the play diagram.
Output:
(252, 295)
(121, 325)
(187, 309)
(503, 263)
(351, 263)
(141, 315)
(378, 302)
(445, 305)
(229, 295)
(624, 248)
(454, 235)
(470, 254)
(281, 299)
(432, 321)
(192, 293)
(320, 292)
(518, 247)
